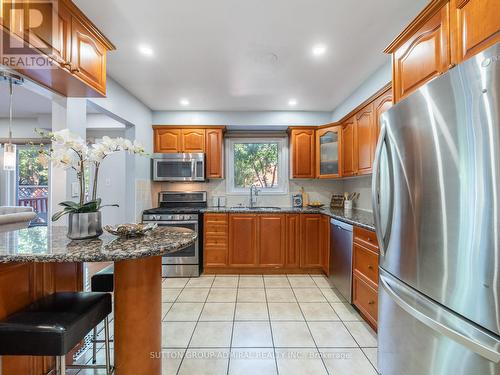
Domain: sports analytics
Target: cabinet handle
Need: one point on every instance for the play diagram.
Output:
(75, 70)
(66, 64)
(370, 267)
(368, 239)
(371, 302)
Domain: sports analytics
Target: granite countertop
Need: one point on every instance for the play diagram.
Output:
(50, 244)
(357, 217)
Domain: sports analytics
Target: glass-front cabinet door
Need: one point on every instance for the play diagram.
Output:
(328, 154)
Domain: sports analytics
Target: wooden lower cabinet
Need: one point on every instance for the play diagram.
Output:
(271, 240)
(292, 253)
(215, 240)
(311, 241)
(260, 243)
(365, 274)
(365, 298)
(243, 240)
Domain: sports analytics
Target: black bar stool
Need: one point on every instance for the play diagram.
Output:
(103, 282)
(54, 325)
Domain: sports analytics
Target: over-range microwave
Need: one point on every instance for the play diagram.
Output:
(179, 167)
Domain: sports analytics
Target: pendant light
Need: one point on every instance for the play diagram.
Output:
(9, 149)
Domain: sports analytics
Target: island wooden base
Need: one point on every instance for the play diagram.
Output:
(20, 285)
(137, 330)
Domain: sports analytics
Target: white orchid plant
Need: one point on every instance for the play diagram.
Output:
(70, 151)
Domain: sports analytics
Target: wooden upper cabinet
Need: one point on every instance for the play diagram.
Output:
(193, 140)
(271, 240)
(214, 144)
(422, 55)
(167, 140)
(88, 56)
(477, 26)
(380, 105)
(302, 145)
(366, 131)
(329, 152)
(52, 38)
(61, 46)
(59, 33)
(243, 240)
(349, 162)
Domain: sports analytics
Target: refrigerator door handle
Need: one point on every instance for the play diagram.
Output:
(441, 320)
(381, 235)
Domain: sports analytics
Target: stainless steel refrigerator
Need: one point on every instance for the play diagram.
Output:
(436, 201)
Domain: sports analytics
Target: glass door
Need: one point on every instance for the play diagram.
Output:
(328, 144)
(32, 182)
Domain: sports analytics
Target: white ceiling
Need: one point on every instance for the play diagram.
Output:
(247, 55)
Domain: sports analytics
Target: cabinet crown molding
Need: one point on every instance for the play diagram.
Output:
(76, 12)
(431, 9)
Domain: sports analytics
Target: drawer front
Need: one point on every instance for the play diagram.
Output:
(215, 256)
(209, 218)
(366, 263)
(216, 228)
(218, 241)
(365, 298)
(366, 238)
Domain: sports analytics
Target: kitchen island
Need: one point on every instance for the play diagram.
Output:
(33, 264)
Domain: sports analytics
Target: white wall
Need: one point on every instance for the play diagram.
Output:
(369, 87)
(241, 118)
(25, 127)
(320, 190)
(125, 108)
(113, 178)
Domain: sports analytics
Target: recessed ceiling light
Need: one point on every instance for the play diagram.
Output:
(292, 102)
(319, 50)
(184, 102)
(146, 50)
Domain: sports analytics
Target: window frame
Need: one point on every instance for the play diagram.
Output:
(283, 183)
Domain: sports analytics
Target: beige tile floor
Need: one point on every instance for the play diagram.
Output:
(265, 325)
(286, 325)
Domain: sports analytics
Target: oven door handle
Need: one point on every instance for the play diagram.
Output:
(169, 222)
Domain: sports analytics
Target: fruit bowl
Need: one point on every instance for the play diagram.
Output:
(130, 230)
(315, 205)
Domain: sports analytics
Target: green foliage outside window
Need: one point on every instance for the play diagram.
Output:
(255, 164)
(33, 170)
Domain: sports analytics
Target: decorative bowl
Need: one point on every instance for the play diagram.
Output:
(130, 230)
(315, 205)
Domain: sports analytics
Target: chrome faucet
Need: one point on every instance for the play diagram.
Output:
(254, 190)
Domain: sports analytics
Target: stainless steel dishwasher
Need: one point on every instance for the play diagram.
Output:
(341, 257)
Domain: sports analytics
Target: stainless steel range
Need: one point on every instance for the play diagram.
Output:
(180, 209)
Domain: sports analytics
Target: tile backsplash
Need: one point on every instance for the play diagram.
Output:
(318, 190)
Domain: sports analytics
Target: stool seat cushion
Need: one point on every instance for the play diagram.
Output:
(53, 325)
(102, 281)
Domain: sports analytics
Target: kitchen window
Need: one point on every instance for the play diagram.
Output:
(260, 162)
